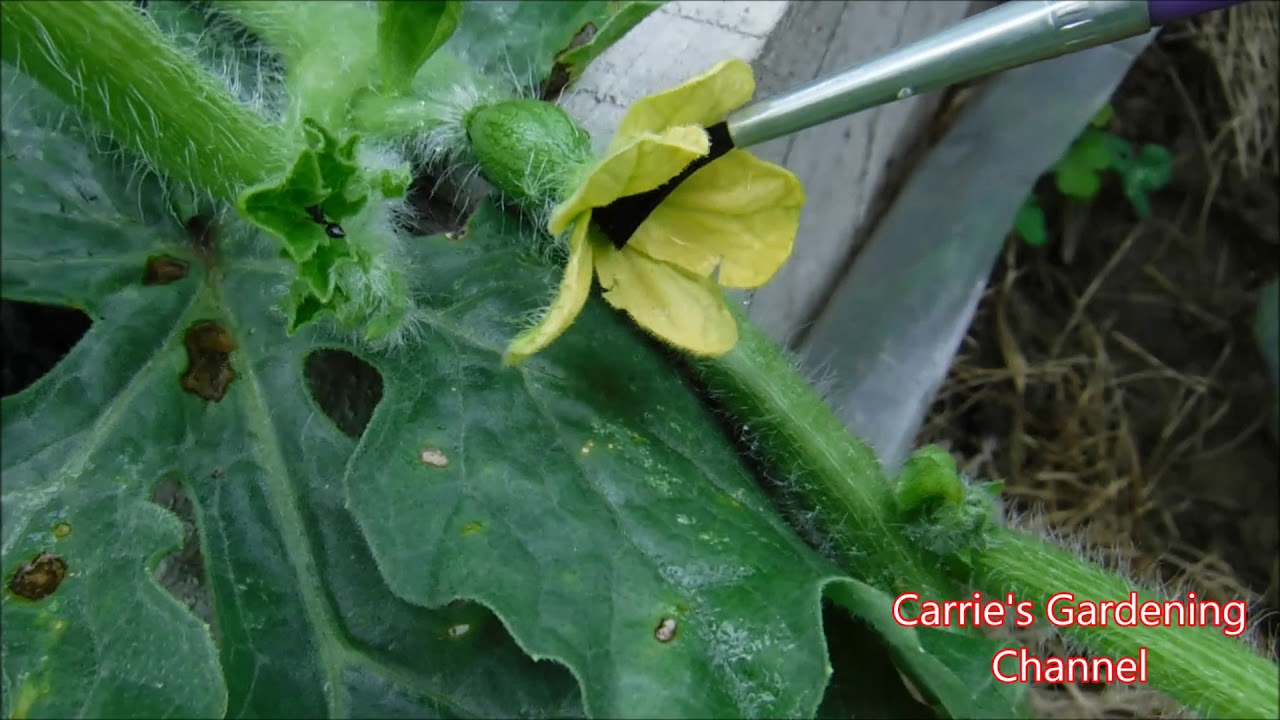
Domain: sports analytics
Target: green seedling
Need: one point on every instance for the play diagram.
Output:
(1080, 172)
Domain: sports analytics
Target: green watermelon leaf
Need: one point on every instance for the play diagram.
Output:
(573, 60)
(325, 185)
(408, 33)
(585, 504)
(305, 626)
(519, 41)
(585, 494)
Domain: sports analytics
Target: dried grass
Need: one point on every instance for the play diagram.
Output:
(1241, 45)
(1111, 382)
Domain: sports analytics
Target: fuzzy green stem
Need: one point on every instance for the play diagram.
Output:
(802, 438)
(122, 73)
(796, 431)
(329, 50)
(444, 89)
(1200, 667)
(395, 116)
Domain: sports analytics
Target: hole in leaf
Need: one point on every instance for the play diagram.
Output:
(346, 388)
(182, 571)
(437, 204)
(36, 337)
(38, 577)
(865, 681)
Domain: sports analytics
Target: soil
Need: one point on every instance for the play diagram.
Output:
(1111, 377)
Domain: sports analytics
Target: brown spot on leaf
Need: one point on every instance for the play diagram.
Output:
(560, 74)
(164, 269)
(209, 348)
(39, 576)
(666, 630)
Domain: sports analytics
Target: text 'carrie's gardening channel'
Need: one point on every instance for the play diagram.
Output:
(1063, 610)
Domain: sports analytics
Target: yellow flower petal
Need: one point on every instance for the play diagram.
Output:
(704, 101)
(686, 311)
(739, 212)
(639, 166)
(574, 287)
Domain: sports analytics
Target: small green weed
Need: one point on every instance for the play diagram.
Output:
(1079, 174)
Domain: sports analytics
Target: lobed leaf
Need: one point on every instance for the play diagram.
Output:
(303, 623)
(587, 497)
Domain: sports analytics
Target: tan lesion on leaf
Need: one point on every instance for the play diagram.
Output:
(666, 630)
(433, 457)
(39, 577)
(164, 269)
(209, 348)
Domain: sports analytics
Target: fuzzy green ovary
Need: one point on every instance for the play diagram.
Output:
(529, 149)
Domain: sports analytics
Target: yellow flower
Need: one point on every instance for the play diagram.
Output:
(735, 218)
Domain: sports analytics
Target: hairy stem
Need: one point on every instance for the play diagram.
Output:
(444, 89)
(329, 52)
(795, 431)
(122, 73)
(840, 476)
(1200, 667)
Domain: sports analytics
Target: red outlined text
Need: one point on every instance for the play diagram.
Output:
(1063, 609)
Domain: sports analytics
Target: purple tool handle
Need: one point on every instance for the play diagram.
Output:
(1166, 11)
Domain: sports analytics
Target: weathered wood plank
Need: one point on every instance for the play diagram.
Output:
(673, 44)
(888, 331)
(845, 163)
